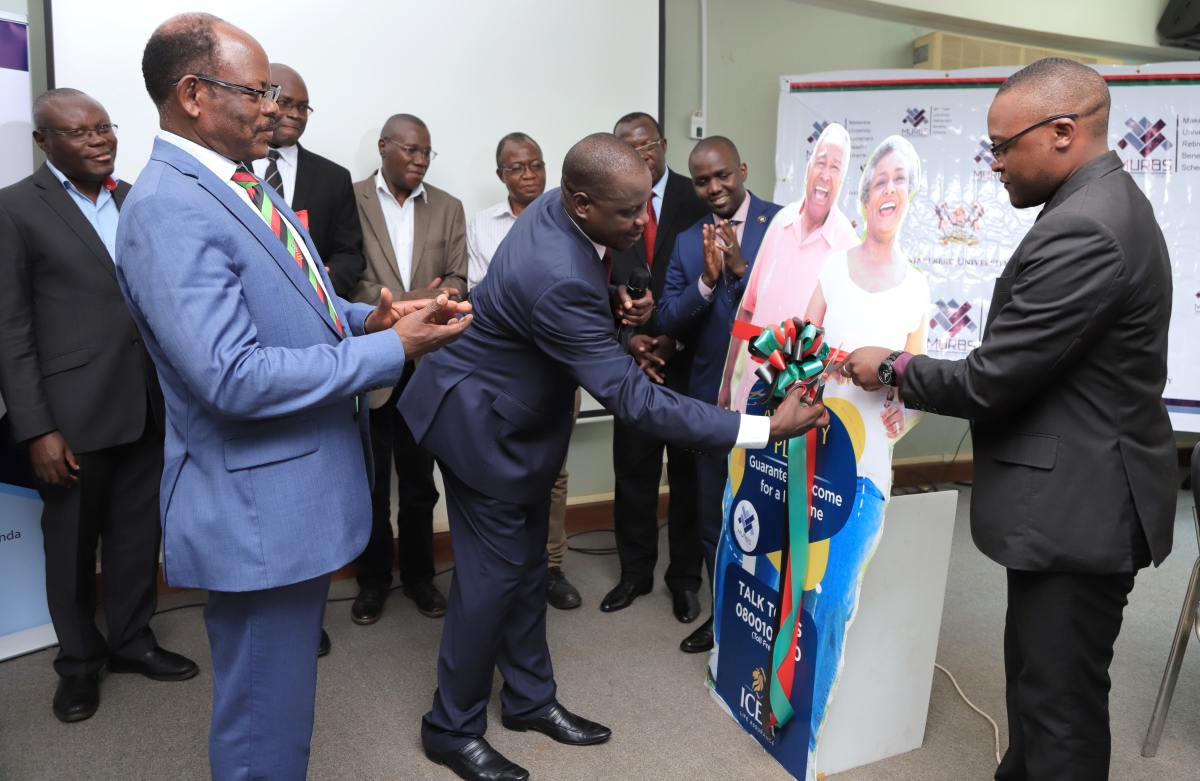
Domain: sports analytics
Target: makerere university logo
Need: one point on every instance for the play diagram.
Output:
(1144, 137)
(745, 526)
(952, 318)
(818, 129)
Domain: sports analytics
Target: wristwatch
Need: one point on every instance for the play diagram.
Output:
(887, 375)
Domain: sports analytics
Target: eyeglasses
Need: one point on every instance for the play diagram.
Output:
(519, 170)
(998, 149)
(287, 104)
(413, 151)
(79, 133)
(271, 94)
(648, 147)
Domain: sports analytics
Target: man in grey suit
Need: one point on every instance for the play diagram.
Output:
(1074, 455)
(415, 241)
(83, 397)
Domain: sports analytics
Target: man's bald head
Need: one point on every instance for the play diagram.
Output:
(594, 165)
(292, 119)
(75, 133)
(187, 43)
(1054, 85)
(46, 104)
(396, 121)
(280, 71)
(719, 144)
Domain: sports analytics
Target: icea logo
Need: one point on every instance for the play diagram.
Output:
(751, 699)
(13, 534)
(745, 526)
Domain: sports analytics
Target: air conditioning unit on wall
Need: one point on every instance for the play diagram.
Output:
(946, 51)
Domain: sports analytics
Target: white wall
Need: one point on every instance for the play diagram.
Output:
(474, 70)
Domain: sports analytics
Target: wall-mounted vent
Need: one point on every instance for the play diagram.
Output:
(946, 51)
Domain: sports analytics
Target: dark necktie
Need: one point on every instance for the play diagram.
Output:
(651, 232)
(273, 177)
(607, 260)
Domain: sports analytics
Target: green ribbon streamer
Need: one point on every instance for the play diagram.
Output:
(796, 563)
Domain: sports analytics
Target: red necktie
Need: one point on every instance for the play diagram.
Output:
(607, 260)
(651, 232)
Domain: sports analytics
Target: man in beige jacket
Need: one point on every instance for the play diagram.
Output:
(414, 240)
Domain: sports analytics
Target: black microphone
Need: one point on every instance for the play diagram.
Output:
(639, 283)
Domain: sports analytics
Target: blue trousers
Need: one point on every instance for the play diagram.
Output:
(834, 605)
(264, 659)
(495, 616)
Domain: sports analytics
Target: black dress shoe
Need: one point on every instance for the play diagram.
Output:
(699, 641)
(563, 726)
(623, 595)
(430, 601)
(77, 697)
(325, 646)
(559, 591)
(367, 607)
(157, 664)
(686, 606)
(478, 761)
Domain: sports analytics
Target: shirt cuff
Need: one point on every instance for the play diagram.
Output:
(754, 432)
(705, 290)
(898, 367)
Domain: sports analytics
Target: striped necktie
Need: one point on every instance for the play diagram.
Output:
(280, 227)
(273, 177)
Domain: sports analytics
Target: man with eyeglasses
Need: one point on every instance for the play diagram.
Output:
(414, 239)
(319, 190)
(83, 397)
(265, 371)
(519, 164)
(637, 456)
(1075, 467)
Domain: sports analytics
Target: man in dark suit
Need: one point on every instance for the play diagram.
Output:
(83, 396)
(637, 454)
(415, 241)
(1074, 454)
(496, 410)
(705, 280)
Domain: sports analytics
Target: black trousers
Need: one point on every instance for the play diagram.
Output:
(637, 463)
(712, 472)
(392, 442)
(114, 503)
(1058, 644)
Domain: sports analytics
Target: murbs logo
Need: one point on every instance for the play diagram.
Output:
(984, 155)
(958, 226)
(916, 121)
(751, 699)
(1144, 147)
(745, 526)
(818, 129)
(952, 318)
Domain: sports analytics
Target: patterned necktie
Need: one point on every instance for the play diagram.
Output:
(273, 177)
(651, 232)
(275, 220)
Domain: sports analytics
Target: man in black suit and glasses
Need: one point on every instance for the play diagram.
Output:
(637, 456)
(1075, 462)
(313, 184)
(83, 398)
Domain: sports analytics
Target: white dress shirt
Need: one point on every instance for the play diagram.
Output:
(289, 158)
(224, 169)
(754, 431)
(484, 234)
(657, 192)
(400, 226)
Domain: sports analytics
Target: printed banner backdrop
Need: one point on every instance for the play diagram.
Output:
(25, 619)
(963, 229)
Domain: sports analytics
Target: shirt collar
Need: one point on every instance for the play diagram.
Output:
(289, 154)
(600, 248)
(214, 161)
(110, 183)
(660, 186)
(382, 186)
(829, 229)
(743, 211)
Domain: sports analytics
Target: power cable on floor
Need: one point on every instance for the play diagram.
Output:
(598, 551)
(995, 726)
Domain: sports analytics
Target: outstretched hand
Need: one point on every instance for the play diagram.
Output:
(431, 327)
(793, 418)
(389, 312)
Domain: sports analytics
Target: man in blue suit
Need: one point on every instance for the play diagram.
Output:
(705, 280)
(264, 489)
(495, 409)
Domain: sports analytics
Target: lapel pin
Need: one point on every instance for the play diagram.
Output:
(762, 218)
